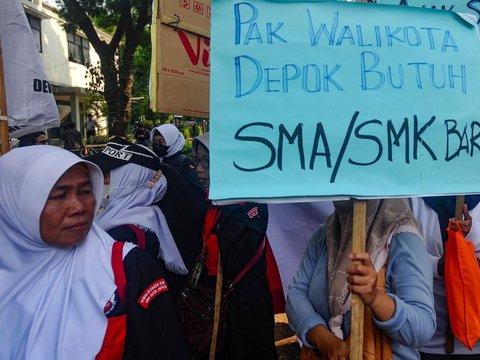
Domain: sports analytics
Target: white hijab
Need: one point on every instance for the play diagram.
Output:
(202, 139)
(130, 202)
(51, 299)
(174, 139)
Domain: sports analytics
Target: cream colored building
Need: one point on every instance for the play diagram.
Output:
(65, 57)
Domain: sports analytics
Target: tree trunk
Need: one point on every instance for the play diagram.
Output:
(119, 128)
(117, 71)
(117, 93)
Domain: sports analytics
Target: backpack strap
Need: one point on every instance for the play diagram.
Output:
(119, 270)
(250, 264)
(140, 235)
(210, 240)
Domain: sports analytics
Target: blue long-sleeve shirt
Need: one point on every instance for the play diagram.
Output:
(408, 282)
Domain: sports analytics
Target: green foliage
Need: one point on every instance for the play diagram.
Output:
(112, 78)
(130, 138)
(187, 148)
(105, 14)
(94, 79)
(128, 22)
(141, 111)
(142, 60)
(186, 132)
(92, 8)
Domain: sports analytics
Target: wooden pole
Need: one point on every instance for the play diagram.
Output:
(4, 141)
(359, 240)
(358, 244)
(460, 200)
(216, 312)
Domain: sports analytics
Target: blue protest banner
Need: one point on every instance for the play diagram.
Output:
(342, 99)
(459, 6)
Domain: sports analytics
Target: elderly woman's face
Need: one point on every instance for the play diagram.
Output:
(68, 213)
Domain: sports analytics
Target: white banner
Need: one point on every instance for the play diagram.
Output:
(30, 102)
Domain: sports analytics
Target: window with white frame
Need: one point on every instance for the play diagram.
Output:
(36, 26)
(78, 49)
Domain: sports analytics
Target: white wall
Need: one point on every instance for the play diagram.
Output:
(60, 70)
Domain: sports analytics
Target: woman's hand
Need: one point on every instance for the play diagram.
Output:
(362, 279)
(329, 346)
(465, 224)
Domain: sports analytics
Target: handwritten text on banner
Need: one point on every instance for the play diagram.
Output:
(331, 99)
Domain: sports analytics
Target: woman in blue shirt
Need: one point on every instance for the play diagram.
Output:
(319, 301)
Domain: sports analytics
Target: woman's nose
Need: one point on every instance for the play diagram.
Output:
(76, 206)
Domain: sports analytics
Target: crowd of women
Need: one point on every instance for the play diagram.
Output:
(97, 254)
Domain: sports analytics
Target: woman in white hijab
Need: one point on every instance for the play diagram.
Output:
(134, 182)
(56, 277)
(133, 190)
(167, 143)
(170, 139)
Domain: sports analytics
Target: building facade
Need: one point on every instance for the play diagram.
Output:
(66, 57)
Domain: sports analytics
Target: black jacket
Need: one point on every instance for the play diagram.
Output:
(184, 208)
(250, 324)
(185, 167)
(153, 332)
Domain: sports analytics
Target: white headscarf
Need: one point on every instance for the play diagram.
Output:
(202, 139)
(174, 139)
(130, 202)
(51, 298)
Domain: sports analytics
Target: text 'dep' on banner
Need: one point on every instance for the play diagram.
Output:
(342, 99)
(30, 103)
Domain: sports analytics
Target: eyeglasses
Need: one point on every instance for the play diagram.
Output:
(205, 162)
